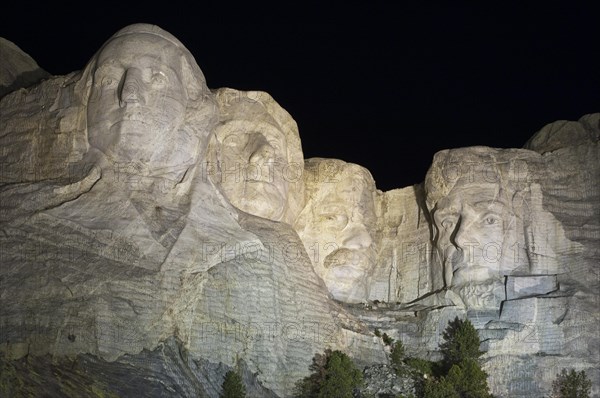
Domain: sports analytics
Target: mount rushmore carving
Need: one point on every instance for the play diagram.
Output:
(142, 211)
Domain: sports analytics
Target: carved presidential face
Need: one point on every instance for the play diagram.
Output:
(479, 241)
(337, 228)
(253, 158)
(137, 100)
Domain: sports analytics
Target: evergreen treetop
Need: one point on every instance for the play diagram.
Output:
(461, 342)
(233, 386)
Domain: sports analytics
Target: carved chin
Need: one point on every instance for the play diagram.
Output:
(261, 199)
(270, 207)
(345, 274)
(347, 290)
(132, 140)
(486, 295)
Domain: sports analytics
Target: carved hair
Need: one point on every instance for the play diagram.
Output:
(322, 173)
(513, 170)
(319, 171)
(201, 108)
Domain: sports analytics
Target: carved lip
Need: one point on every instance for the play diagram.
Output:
(136, 117)
(271, 188)
(135, 126)
(347, 259)
(346, 272)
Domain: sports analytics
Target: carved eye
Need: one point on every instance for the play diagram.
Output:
(491, 220)
(273, 142)
(275, 145)
(233, 140)
(109, 82)
(159, 79)
(334, 220)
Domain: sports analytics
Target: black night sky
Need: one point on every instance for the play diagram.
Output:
(385, 87)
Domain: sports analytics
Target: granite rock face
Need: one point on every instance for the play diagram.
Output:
(338, 226)
(365, 244)
(257, 158)
(564, 133)
(116, 239)
(515, 237)
(158, 233)
(17, 69)
(166, 371)
(403, 272)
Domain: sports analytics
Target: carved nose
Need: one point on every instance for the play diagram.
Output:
(132, 90)
(462, 233)
(263, 154)
(356, 236)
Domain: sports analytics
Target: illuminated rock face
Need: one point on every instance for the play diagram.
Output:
(155, 227)
(404, 271)
(256, 157)
(516, 234)
(338, 225)
(116, 238)
(17, 69)
(488, 220)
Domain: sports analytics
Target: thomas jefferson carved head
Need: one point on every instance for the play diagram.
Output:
(257, 154)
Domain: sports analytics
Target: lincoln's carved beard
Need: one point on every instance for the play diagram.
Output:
(477, 290)
(482, 295)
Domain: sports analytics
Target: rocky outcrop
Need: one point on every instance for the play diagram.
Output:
(564, 133)
(17, 69)
(166, 371)
(382, 381)
(532, 249)
(109, 249)
(403, 272)
(124, 259)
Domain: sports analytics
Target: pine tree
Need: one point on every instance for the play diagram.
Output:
(439, 389)
(468, 379)
(233, 386)
(387, 340)
(464, 377)
(310, 385)
(571, 385)
(461, 342)
(397, 356)
(342, 376)
(334, 376)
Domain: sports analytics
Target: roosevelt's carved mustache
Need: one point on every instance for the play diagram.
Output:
(351, 257)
